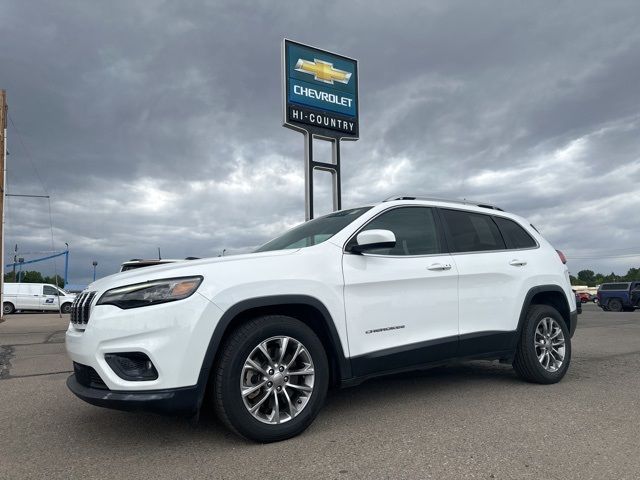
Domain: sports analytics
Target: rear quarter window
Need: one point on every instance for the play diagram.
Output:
(514, 235)
(471, 232)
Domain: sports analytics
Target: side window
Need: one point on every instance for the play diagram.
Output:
(514, 235)
(414, 228)
(472, 232)
(50, 290)
(614, 286)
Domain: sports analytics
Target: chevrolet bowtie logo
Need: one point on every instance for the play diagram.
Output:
(323, 71)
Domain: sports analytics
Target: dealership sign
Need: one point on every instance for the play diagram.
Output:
(320, 92)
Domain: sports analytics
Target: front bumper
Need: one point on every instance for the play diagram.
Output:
(174, 336)
(170, 401)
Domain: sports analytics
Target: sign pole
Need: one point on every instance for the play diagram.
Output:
(308, 176)
(337, 192)
(320, 99)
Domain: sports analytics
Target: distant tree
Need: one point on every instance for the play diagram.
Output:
(587, 276)
(31, 276)
(574, 280)
(612, 277)
(54, 280)
(632, 275)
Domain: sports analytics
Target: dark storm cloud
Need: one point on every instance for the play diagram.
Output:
(158, 123)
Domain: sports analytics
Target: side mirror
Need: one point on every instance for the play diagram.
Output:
(372, 239)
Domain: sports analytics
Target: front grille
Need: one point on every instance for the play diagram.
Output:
(88, 377)
(81, 308)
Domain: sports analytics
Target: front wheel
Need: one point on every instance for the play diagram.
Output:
(271, 378)
(544, 350)
(8, 308)
(65, 308)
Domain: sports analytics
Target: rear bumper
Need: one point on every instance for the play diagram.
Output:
(573, 316)
(180, 401)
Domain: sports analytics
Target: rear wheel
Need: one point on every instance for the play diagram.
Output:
(615, 305)
(544, 351)
(271, 379)
(8, 308)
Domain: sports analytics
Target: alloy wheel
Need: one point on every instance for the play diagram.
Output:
(550, 344)
(277, 380)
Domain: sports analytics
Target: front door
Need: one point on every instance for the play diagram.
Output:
(49, 298)
(401, 303)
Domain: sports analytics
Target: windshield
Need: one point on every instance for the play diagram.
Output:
(314, 231)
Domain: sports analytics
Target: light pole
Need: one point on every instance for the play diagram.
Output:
(95, 264)
(20, 262)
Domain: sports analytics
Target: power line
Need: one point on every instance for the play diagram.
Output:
(596, 257)
(27, 154)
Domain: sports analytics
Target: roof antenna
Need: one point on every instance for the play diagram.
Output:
(159, 256)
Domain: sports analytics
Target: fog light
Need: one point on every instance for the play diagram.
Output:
(132, 366)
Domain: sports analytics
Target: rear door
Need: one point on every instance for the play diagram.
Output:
(492, 277)
(401, 303)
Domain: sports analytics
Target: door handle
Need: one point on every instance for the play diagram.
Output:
(517, 263)
(439, 267)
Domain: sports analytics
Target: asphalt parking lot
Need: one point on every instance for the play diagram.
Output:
(475, 420)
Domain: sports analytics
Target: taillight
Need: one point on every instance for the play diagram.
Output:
(563, 259)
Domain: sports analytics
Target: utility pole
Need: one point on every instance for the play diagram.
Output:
(3, 169)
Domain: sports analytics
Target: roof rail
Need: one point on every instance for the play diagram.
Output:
(437, 199)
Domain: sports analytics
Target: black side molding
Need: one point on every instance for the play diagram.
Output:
(430, 353)
(527, 302)
(574, 323)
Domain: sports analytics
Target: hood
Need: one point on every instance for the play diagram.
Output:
(176, 269)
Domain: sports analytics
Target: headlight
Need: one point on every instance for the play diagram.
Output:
(151, 293)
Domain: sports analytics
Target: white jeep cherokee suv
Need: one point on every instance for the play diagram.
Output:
(402, 285)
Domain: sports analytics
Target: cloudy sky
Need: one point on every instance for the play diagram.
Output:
(158, 124)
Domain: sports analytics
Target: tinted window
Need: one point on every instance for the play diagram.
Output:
(314, 231)
(50, 290)
(472, 232)
(514, 235)
(414, 228)
(614, 286)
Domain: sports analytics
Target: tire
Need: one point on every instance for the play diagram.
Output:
(232, 372)
(527, 363)
(614, 305)
(65, 308)
(8, 308)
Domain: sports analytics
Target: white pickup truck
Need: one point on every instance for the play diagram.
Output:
(35, 296)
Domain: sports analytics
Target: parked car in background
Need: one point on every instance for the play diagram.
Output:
(579, 302)
(617, 297)
(35, 296)
(585, 297)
